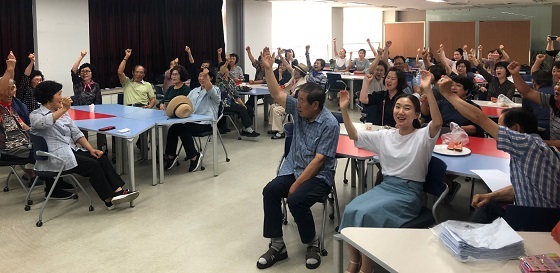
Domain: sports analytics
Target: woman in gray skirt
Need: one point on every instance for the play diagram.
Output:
(404, 153)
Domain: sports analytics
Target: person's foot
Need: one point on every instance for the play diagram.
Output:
(250, 134)
(272, 132)
(122, 197)
(65, 186)
(272, 256)
(170, 162)
(455, 186)
(278, 136)
(195, 163)
(312, 258)
(352, 267)
(59, 194)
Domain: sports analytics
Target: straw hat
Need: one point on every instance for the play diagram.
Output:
(180, 107)
(301, 67)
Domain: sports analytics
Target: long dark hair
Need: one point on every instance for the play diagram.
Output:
(416, 103)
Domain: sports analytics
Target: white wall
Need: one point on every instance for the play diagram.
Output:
(257, 27)
(62, 31)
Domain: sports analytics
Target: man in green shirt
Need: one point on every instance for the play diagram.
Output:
(137, 92)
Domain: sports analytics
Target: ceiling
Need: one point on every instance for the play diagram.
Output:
(424, 5)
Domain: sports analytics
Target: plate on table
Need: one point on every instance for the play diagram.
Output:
(442, 150)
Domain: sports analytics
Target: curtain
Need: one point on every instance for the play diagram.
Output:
(16, 33)
(156, 31)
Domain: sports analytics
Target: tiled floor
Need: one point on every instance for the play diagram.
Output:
(194, 222)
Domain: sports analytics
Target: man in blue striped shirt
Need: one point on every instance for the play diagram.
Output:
(534, 166)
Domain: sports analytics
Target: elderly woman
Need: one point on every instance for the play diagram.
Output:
(52, 122)
(29, 80)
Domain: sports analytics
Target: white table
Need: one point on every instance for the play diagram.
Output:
(418, 250)
(350, 77)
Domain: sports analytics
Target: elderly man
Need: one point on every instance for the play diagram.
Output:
(137, 92)
(306, 175)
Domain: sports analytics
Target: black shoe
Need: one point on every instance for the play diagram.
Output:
(272, 132)
(65, 186)
(278, 136)
(195, 163)
(272, 256)
(59, 194)
(170, 162)
(312, 253)
(251, 134)
(455, 186)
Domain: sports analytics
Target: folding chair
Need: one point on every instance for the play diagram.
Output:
(434, 186)
(333, 87)
(331, 198)
(12, 164)
(40, 152)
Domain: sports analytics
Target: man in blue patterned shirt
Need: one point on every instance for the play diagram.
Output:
(534, 166)
(307, 173)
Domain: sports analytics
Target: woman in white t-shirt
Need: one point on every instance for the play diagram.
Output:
(342, 64)
(404, 154)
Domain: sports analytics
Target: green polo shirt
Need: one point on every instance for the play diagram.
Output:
(137, 92)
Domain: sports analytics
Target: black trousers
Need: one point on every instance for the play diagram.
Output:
(489, 212)
(102, 177)
(185, 132)
(242, 112)
(300, 202)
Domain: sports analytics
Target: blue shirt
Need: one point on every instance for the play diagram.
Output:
(60, 136)
(205, 102)
(310, 138)
(534, 169)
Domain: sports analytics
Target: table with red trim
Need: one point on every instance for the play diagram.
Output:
(492, 109)
(347, 149)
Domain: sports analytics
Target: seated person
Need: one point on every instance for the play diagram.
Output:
(378, 69)
(137, 91)
(233, 102)
(534, 166)
(498, 84)
(342, 64)
(179, 76)
(29, 80)
(52, 122)
(206, 101)
(259, 79)
(307, 174)
(380, 104)
(235, 70)
(316, 74)
(360, 64)
(404, 154)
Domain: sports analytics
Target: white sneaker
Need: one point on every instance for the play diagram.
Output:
(123, 198)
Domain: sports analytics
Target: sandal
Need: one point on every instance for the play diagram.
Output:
(352, 262)
(272, 256)
(312, 253)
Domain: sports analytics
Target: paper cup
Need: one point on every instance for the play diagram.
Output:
(92, 107)
(369, 126)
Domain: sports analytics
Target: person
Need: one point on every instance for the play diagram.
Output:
(179, 76)
(555, 71)
(236, 70)
(289, 56)
(498, 84)
(194, 70)
(541, 96)
(167, 75)
(316, 75)
(282, 75)
(29, 80)
(380, 104)
(534, 166)
(137, 92)
(86, 91)
(256, 63)
(307, 173)
(378, 69)
(341, 62)
(206, 101)
(494, 56)
(458, 54)
(52, 122)
(360, 64)
(424, 57)
(232, 102)
(404, 154)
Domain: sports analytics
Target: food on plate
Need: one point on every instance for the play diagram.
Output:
(458, 147)
(451, 145)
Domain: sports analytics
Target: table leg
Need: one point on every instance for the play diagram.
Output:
(160, 154)
(353, 173)
(130, 146)
(119, 154)
(361, 174)
(153, 147)
(265, 110)
(255, 118)
(351, 94)
(215, 146)
(338, 253)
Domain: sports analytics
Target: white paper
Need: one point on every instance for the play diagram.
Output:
(494, 179)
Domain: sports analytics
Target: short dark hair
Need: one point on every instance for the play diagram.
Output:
(460, 50)
(542, 78)
(45, 91)
(314, 93)
(362, 50)
(416, 103)
(36, 73)
(84, 65)
(503, 64)
(139, 65)
(465, 62)
(437, 71)
(525, 119)
(556, 64)
(399, 57)
(384, 64)
(401, 78)
(322, 62)
(466, 82)
(236, 57)
(183, 74)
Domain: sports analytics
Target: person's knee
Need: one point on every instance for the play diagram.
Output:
(271, 189)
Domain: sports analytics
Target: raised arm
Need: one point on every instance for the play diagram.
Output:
(307, 56)
(273, 87)
(344, 101)
(122, 65)
(538, 62)
(78, 61)
(364, 95)
(220, 50)
(444, 61)
(372, 48)
(9, 73)
(479, 54)
(189, 54)
(29, 67)
(418, 58)
(505, 56)
(427, 63)
(549, 44)
(374, 64)
(385, 56)
(335, 52)
(426, 79)
(470, 112)
(285, 62)
(251, 57)
(521, 85)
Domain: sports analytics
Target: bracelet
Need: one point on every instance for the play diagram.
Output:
(125, 59)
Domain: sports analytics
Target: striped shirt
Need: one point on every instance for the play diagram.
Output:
(534, 169)
(310, 138)
(554, 120)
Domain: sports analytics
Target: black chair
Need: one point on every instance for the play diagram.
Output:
(434, 186)
(159, 92)
(333, 85)
(232, 117)
(331, 198)
(208, 135)
(246, 77)
(535, 219)
(40, 153)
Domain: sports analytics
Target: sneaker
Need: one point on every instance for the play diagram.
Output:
(455, 186)
(311, 256)
(170, 162)
(251, 134)
(125, 196)
(272, 256)
(195, 163)
(278, 136)
(272, 132)
(59, 194)
(110, 205)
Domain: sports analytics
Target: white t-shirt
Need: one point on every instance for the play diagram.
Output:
(406, 156)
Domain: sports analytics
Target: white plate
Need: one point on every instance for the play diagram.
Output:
(442, 150)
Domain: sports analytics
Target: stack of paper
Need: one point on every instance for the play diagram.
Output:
(496, 241)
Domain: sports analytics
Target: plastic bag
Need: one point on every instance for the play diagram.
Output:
(504, 101)
(457, 135)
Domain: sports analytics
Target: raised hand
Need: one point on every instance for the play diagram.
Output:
(501, 47)
(127, 53)
(188, 49)
(368, 41)
(465, 47)
(66, 102)
(266, 59)
(344, 99)
(445, 85)
(514, 67)
(541, 57)
(334, 40)
(280, 51)
(307, 48)
(248, 48)
(31, 57)
(426, 79)
(11, 61)
(83, 53)
(388, 44)
(220, 51)
(368, 78)
(479, 47)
